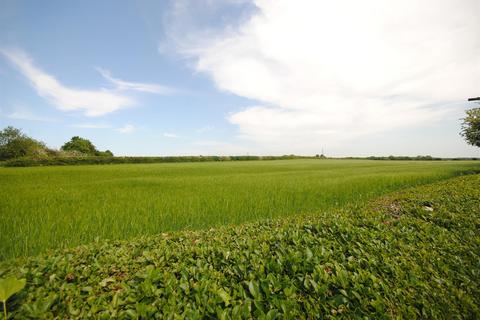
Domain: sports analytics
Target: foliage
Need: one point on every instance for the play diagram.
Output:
(106, 158)
(9, 134)
(8, 287)
(15, 144)
(412, 255)
(21, 150)
(76, 147)
(81, 145)
(52, 207)
(106, 153)
(471, 127)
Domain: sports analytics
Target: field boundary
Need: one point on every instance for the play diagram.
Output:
(104, 160)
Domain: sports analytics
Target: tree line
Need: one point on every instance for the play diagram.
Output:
(15, 144)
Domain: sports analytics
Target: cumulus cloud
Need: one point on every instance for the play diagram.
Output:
(325, 71)
(91, 102)
(135, 86)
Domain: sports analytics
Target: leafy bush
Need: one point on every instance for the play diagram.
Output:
(412, 255)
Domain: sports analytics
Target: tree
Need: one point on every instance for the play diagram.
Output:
(15, 144)
(471, 127)
(108, 153)
(9, 134)
(81, 145)
(84, 147)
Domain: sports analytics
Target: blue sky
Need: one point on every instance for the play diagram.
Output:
(241, 77)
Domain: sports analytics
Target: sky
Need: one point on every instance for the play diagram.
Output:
(238, 77)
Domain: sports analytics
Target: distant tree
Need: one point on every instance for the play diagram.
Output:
(81, 145)
(106, 153)
(471, 127)
(15, 144)
(9, 134)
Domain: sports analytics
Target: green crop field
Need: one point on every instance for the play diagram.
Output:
(412, 254)
(55, 207)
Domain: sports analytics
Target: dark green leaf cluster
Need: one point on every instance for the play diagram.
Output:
(18, 148)
(411, 255)
(471, 127)
(84, 147)
(15, 144)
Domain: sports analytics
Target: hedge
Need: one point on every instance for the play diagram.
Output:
(59, 161)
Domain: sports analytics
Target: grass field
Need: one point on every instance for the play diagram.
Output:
(52, 207)
(413, 254)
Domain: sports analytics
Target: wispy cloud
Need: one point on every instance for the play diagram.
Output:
(91, 102)
(128, 128)
(170, 135)
(324, 72)
(135, 86)
(24, 114)
(92, 126)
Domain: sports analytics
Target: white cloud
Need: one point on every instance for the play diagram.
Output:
(128, 128)
(325, 71)
(91, 102)
(92, 126)
(135, 86)
(24, 114)
(170, 135)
